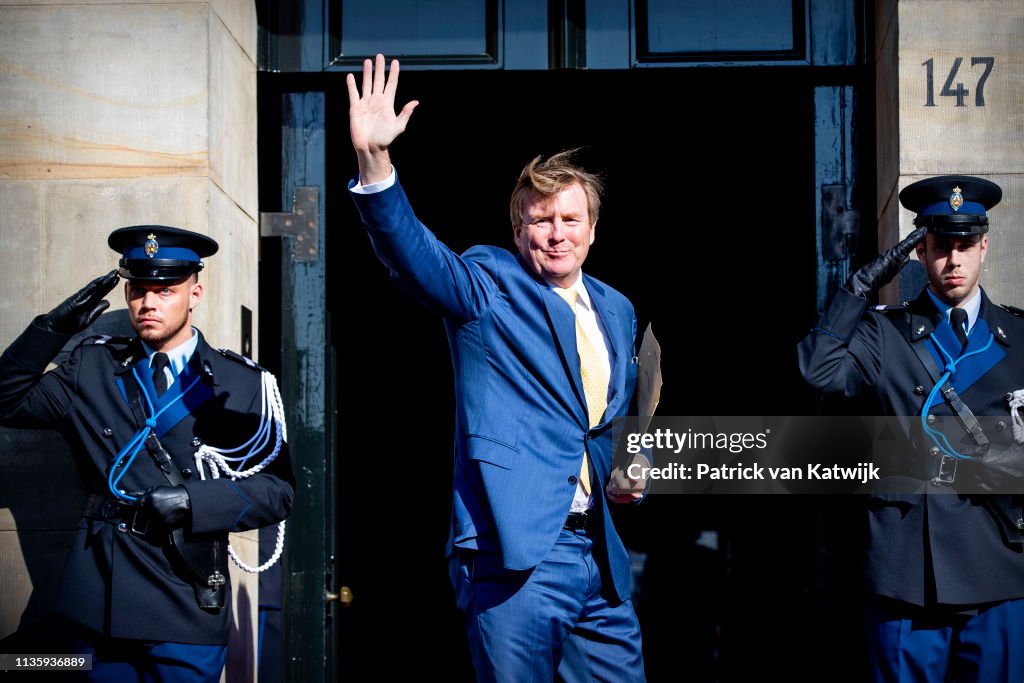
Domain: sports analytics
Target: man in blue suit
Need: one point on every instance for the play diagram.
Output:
(543, 360)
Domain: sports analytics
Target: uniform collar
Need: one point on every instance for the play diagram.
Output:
(925, 316)
(973, 307)
(179, 356)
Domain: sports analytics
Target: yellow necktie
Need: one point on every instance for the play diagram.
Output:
(595, 375)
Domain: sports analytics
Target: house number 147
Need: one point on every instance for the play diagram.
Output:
(959, 91)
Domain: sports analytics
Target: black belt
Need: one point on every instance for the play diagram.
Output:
(576, 521)
(125, 517)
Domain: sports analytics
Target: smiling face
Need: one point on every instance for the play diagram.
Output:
(160, 312)
(953, 265)
(555, 234)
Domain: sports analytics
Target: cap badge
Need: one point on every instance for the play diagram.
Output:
(151, 246)
(956, 200)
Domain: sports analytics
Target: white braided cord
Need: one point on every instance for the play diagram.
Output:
(1016, 403)
(218, 461)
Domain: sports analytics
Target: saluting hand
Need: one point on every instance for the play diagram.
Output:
(79, 310)
(372, 121)
(884, 266)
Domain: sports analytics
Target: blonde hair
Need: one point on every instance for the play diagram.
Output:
(547, 177)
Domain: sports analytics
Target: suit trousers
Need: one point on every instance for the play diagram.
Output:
(530, 625)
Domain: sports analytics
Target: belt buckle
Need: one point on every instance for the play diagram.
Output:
(109, 509)
(138, 515)
(576, 521)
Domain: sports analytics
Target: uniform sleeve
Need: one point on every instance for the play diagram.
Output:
(265, 498)
(843, 353)
(30, 397)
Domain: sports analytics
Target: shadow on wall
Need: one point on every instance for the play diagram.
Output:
(41, 499)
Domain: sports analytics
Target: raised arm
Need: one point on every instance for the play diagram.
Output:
(419, 263)
(844, 351)
(29, 397)
(372, 121)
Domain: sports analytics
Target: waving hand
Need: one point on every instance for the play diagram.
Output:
(373, 123)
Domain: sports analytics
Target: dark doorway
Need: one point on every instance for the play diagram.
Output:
(708, 226)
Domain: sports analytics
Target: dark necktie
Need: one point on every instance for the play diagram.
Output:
(958, 319)
(159, 362)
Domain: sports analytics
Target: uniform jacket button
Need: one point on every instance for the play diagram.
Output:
(572, 480)
(108, 432)
(919, 390)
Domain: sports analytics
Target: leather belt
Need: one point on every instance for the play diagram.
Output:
(576, 521)
(126, 518)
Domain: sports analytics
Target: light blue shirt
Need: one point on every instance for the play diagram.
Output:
(177, 357)
(973, 307)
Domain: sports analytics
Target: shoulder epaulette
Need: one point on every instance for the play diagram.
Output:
(119, 348)
(239, 358)
(1019, 312)
(886, 308)
(100, 339)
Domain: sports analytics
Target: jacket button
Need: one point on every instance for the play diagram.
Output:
(572, 480)
(1000, 426)
(934, 450)
(108, 432)
(919, 390)
(931, 419)
(196, 443)
(187, 473)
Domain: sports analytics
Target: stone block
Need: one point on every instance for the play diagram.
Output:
(104, 91)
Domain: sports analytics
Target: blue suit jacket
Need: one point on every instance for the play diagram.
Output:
(521, 420)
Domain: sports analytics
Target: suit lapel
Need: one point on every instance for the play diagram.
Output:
(609, 319)
(563, 326)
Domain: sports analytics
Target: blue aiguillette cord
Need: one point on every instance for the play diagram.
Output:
(133, 446)
(937, 437)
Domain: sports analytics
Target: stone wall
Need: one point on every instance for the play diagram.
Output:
(116, 113)
(970, 50)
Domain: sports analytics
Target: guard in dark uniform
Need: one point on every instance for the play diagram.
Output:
(945, 550)
(177, 444)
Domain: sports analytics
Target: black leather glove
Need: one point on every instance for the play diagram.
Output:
(80, 309)
(885, 266)
(167, 505)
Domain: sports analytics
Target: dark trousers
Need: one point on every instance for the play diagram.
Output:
(120, 660)
(911, 644)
